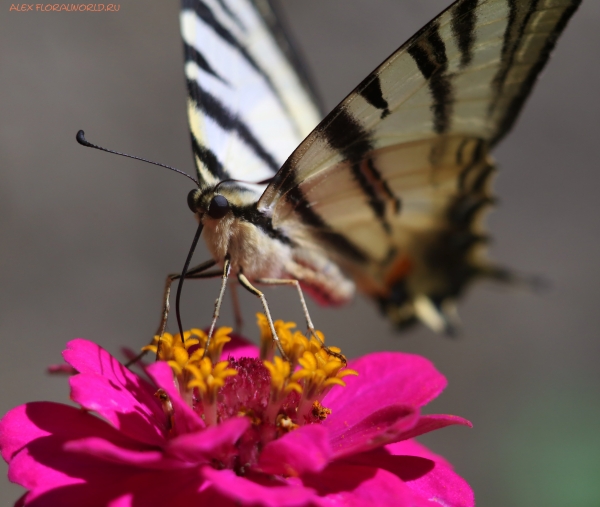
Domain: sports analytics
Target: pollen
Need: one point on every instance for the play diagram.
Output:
(319, 411)
(285, 424)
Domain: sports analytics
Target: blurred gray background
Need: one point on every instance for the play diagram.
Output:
(86, 238)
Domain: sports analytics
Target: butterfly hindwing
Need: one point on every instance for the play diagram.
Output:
(394, 180)
(248, 105)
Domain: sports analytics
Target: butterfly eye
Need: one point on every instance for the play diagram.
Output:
(219, 206)
(191, 200)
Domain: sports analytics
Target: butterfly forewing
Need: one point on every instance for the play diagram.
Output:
(248, 107)
(393, 181)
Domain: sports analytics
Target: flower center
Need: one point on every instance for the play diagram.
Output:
(277, 395)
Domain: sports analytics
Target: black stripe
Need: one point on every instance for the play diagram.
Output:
(430, 56)
(513, 109)
(463, 211)
(322, 230)
(464, 17)
(206, 15)
(478, 153)
(209, 159)
(212, 107)
(232, 15)
(482, 178)
(190, 54)
(460, 151)
(373, 95)
(252, 215)
(375, 202)
(512, 17)
(512, 40)
(384, 184)
(347, 136)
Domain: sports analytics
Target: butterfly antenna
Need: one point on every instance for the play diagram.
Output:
(84, 142)
(182, 277)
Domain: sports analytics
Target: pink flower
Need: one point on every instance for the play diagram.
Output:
(136, 442)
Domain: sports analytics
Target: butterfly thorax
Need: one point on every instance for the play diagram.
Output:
(234, 227)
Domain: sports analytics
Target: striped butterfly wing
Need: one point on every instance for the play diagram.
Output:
(249, 104)
(394, 180)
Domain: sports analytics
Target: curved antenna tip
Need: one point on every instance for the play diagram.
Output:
(80, 137)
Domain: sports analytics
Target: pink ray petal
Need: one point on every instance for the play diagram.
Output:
(185, 419)
(211, 443)
(353, 431)
(239, 347)
(120, 407)
(107, 451)
(433, 422)
(105, 386)
(361, 486)
(387, 378)
(29, 423)
(261, 490)
(303, 450)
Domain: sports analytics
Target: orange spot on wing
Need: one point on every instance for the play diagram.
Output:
(399, 270)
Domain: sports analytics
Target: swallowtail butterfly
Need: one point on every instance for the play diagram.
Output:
(387, 192)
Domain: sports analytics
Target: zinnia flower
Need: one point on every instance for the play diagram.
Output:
(227, 428)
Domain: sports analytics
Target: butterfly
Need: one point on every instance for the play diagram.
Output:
(386, 194)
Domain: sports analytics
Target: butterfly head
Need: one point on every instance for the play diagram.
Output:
(211, 204)
(222, 201)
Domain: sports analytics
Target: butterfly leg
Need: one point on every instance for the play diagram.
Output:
(253, 290)
(311, 328)
(225, 274)
(296, 283)
(237, 311)
(192, 273)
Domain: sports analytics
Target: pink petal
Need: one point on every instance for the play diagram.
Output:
(428, 480)
(408, 468)
(185, 419)
(304, 450)
(428, 475)
(168, 489)
(429, 423)
(414, 448)
(87, 357)
(33, 438)
(239, 347)
(266, 491)
(442, 486)
(213, 442)
(361, 486)
(352, 431)
(387, 378)
(105, 386)
(120, 405)
(164, 488)
(104, 450)
(33, 421)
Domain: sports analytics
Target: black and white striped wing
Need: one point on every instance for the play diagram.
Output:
(393, 181)
(248, 105)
